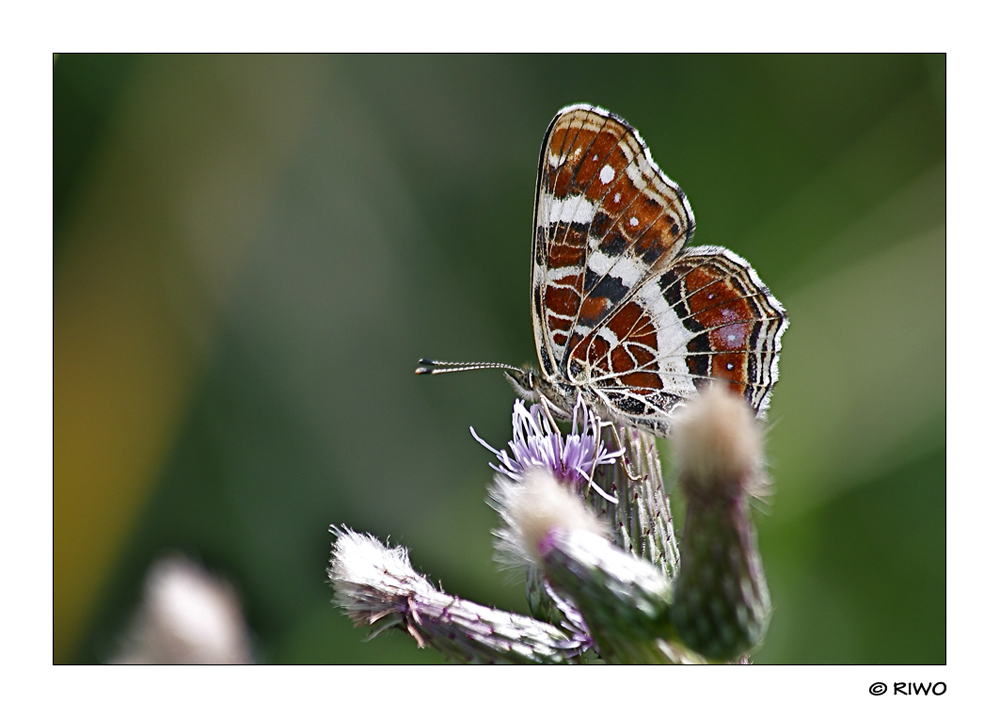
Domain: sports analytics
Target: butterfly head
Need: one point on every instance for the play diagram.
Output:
(532, 386)
(525, 381)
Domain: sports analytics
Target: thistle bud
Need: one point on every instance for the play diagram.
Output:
(377, 587)
(622, 601)
(721, 603)
(188, 616)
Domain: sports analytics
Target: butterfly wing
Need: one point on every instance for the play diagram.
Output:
(706, 316)
(605, 217)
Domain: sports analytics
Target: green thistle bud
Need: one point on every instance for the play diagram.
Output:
(623, 599)
(721, 604)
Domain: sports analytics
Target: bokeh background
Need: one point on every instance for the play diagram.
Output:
(250, 254)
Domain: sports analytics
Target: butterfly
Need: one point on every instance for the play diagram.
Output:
(625, 314)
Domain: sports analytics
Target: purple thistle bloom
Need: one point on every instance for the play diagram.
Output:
(538, 443)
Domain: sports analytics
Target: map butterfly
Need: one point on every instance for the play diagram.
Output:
(625, 314)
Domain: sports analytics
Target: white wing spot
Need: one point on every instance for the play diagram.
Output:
(729, 365)
(607, 175)
(633, 222)
(572, 209)
(628, 270)
(618, 197)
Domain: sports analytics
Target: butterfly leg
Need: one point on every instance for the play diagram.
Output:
(624, 458)
(548, 408)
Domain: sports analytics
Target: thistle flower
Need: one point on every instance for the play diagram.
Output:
(538, 444)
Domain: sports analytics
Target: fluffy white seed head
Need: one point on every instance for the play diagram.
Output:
(360, 563)
(188, 617)
(718, 443)
(533, 508)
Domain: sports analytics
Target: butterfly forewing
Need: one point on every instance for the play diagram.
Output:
(605, 217)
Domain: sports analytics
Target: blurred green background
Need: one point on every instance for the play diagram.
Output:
(252, 252)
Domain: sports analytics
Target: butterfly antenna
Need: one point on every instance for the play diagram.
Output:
(429, 366)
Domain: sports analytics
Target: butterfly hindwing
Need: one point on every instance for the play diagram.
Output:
(706, 316)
